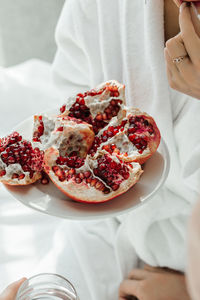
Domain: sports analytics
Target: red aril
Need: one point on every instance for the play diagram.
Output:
(20, 163)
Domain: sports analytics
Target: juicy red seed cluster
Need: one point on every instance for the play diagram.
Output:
(83, 177)
(109, 171)
(109, 133)
(79, 110)
(140, 124)
(139, 142)
(13, 150)
(94, 92)
(110, 111)
(40, 130)
(71, 162)
(111, 148)
(113, 90)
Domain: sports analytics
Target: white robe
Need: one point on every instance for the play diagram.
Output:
(124, 40)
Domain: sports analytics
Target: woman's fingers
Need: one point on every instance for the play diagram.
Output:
(129, 288)
(190, 38)
(138, 274)
(11, 291)
(175, 48)
(174, 77)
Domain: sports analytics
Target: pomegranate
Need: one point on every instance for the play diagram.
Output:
(134, 138)
(20, 163)
(97, 106)
(91, 179)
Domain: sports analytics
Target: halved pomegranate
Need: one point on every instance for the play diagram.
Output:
(20, 163)
(91, 180)
(135, 138)
(97, 106)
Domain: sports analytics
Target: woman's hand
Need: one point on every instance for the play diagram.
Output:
(154, 284)
(184, 75)
(11, 291)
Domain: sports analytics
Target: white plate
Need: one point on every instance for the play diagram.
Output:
(48, 199)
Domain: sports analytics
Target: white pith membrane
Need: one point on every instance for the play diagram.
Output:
(84, 184)
(20, 164)
(97, 106)
(134, 138)
(67, 134)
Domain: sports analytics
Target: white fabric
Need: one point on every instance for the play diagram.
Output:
(100, 40)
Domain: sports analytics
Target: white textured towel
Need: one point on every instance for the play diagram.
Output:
(124, 40)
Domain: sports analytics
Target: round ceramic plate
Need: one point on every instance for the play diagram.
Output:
(50, 200)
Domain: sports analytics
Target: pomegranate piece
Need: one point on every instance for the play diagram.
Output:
(97, 106)
(94, 180)
(20, 163)
(70, 134)
(135, 138)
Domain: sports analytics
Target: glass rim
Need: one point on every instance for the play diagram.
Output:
(49, 274)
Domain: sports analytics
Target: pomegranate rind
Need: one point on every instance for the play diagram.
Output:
(82, 192)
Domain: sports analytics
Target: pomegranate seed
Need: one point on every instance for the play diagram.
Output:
(2, 149)
(21, 176)
(93, 182)
(2, 173)
(106, 191)
(104, 116)
(72, 171)
(81, 176)
(62, 178)
(45, 181)
(98, 185)
(99, 117)
(11, 160)
(78, 180)
(88, 180)
(115, 187)
(60, 128)
(113, 102)
(132, 137)
(87, 174)
(15, 175)
(4, 155)
(62, 109)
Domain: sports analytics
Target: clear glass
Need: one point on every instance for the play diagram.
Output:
(47, 286)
